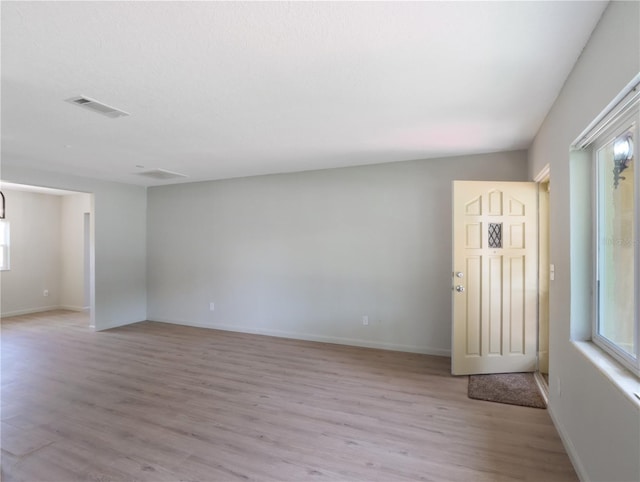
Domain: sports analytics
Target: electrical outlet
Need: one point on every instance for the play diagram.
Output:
(212, 306)
(45, 293)
(365, 320)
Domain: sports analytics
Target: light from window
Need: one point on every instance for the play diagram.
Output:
(616, 323)
(4, 245)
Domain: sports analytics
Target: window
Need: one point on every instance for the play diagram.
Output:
(4, 245)
(616, 328)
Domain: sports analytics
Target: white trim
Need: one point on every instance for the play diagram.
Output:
(312, 337)
(615, 127)
(544, 259)
(568, 446)
(544, 175)
(29, 311)
(72, 308)
(636, 236)
(542, 386)
(617, 107)
(117, 324)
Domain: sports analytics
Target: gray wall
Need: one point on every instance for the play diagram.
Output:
(72, 259)
(600, 426)
(306, 255)
(119, 233)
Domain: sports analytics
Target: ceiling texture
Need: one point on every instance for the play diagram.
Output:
(217, 90)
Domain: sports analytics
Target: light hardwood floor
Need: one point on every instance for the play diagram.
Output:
(159, 402)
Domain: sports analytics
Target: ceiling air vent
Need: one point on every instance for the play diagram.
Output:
(161, 174)
(98, 107)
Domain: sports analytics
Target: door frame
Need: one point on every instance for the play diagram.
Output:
(543, 178)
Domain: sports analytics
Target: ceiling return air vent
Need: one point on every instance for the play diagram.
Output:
(161, 174)
(96, 106)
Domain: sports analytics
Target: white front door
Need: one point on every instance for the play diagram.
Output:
(495, 272)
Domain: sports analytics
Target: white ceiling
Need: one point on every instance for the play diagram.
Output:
(219, 90)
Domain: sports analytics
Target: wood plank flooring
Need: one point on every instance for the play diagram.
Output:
(158, 402)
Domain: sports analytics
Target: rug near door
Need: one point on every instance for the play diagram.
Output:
(512, 388)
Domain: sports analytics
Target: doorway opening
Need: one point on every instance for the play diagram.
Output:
(52, 251)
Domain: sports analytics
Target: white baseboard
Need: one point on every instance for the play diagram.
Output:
(72, 308)
(115, 324)
(312, 337)
(542, 386)
(568, 446)
(29, 311)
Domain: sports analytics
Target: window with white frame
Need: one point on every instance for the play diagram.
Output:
(4, 245)
(616, 325)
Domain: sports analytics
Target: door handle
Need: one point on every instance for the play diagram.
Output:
(459, 274)
(459, 288)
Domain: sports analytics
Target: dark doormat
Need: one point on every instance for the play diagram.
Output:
(512, 388)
